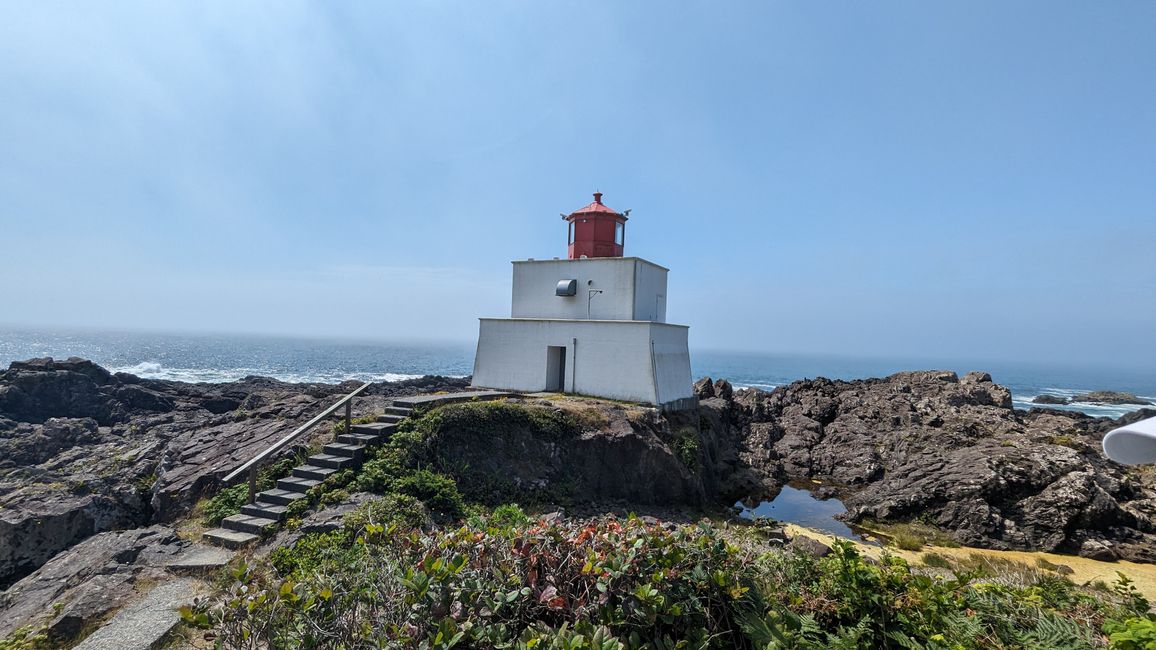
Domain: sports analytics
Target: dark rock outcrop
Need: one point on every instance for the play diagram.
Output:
(704, 388)
(1049, 399)
(1111, 397)
(89, 580)
(84, 451)
(623, 454)
(39, 389)
(953, 452)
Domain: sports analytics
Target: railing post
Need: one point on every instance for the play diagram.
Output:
(349, 417)
(252, 484)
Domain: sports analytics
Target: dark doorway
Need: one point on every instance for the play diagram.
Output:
(556, 368)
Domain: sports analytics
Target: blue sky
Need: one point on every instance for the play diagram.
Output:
(951, 180)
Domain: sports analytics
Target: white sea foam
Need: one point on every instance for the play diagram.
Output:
(755, 384)
(143, 369)
(1088, 408)
(154, 370)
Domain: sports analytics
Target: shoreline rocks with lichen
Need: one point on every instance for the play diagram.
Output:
(953, 453)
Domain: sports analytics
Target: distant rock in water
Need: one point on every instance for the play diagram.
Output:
(1111, 397)
(1049, 399)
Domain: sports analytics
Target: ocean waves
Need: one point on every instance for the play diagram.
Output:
(154, 370)
(223, 358)
(754, 384)
(1095, 409)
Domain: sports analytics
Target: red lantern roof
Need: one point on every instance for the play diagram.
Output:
(596, 207)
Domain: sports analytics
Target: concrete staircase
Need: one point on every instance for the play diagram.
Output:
(270, 509)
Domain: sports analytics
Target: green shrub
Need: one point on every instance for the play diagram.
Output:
(1137, 633)
(509, 514)
(437, 491)
(228, 501)
(391, 510)
(686, 448)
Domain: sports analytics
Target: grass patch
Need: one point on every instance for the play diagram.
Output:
(228, 501)
(936, 560)
(1065, 440)
(339, 426)
(908, 541)
(911, 532)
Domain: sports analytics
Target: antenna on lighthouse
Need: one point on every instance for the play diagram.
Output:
(590, 296)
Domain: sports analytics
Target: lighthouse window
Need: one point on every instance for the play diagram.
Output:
(619, 230)
(570, 235)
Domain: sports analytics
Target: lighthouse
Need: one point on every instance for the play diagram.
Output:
(592, 324)
(596, 231)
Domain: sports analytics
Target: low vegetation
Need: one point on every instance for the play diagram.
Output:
(911, 536)
(503, 581)
(228, 501)
(428, 565)
(339, 426)
(26, 638)
(686, 447)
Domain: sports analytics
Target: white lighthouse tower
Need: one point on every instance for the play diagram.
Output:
(592, 324)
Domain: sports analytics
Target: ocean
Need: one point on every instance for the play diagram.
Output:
(219, 358)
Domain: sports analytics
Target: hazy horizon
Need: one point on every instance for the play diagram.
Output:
(948, 181)
(914, 362)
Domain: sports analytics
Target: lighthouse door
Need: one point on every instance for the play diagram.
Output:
(556, 368)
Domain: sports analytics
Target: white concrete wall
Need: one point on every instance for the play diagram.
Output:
(604, 358)
(649, 292)
(631, 289)
(671, 362)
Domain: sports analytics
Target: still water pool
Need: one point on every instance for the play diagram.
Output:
(799, 506)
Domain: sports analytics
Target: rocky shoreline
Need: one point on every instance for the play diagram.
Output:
(85, 453)
(950, 452)
(1095, 397)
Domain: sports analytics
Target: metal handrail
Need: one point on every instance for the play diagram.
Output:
(255, 462)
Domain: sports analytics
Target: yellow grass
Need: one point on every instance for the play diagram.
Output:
(1084, 571)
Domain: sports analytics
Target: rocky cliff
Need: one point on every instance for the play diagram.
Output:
(947, 451)
(84, 451)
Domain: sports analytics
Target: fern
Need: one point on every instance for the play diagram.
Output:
(1052, 632)
(853, 638)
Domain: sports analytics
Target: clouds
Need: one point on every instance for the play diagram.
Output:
(874, 178)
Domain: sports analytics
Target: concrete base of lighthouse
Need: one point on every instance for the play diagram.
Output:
(637, 361)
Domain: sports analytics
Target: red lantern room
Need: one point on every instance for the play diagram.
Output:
(596, 231)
